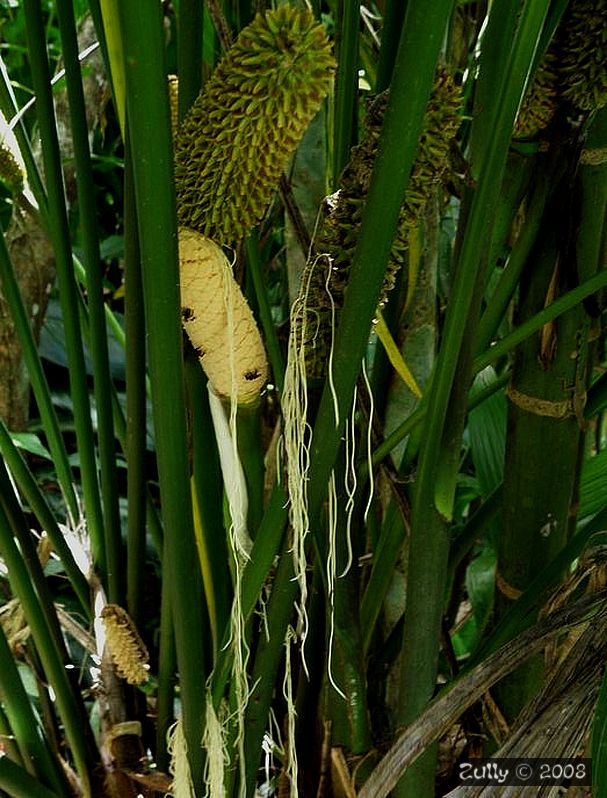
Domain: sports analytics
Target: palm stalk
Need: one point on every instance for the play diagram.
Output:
(547, 395)
(39, 384)
(28, 736)
(149, 126)
(413, 75)
(97, 327)
(189, 53)
(35, 498)
(346, 84)
(17, 782)
(135, 400)
(59, 232)
(69, 703)
(439, 456)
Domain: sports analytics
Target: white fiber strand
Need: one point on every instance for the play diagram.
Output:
(369, 441)
(331, 572)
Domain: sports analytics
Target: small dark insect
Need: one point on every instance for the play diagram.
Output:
(251, 375)
(199, 351)
(188, 314)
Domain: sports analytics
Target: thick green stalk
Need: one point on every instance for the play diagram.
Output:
(60, 236)
(413, 76)
(69, 704)
(547, 394)
(394, 15)
(10, 290)
(149, 128)
(208, 487)
(250, 451)
(543, 180)
(551, 312)
(265, 312)
(346, 84)
(167, 667)
(441, 438)
(28, 735)
(136, 420)
(523, 612)
(17, 782)
(265, 548)
(267, 660)
(94, 284)
(35, 499)
(189, 54)
(348, 711)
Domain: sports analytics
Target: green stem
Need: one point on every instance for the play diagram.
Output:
(265, 312)
(265, 549)
(60, 235)
(394, 16)
(190, 23)
(441, 439)
(149, 127)
(10, 290)
(167, 666)
(28, 736)
(208, 487)
(267, 660)
(346, 84)
(35, 499)
(69, 705)
(543, 180)
(525, 329)
(136, 426)
(17, 782)
(94, 282)
(413, 77)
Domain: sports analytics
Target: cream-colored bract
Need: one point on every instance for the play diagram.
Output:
(205, 274)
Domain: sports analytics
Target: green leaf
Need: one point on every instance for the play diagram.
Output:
(487, 430)
(31, 443)
(593, 496)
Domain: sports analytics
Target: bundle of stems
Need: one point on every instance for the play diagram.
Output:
(394, 541)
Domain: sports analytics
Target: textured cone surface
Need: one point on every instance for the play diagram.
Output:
(129, 654)
(10, 171)
(540, 102)
(241, 131)
(209, 297)
(583, 45)
(329, 268)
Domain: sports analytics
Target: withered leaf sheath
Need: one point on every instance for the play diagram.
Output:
(218, 320)
(329, 267)
(128, 651)
(583, 51)
(242, 129)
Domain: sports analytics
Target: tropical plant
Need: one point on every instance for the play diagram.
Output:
(353, 522)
